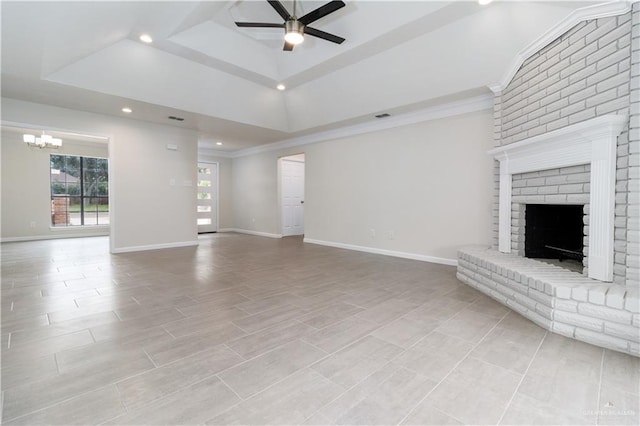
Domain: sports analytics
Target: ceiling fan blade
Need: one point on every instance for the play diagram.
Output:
(288, 47)
(328, 8)
(280, 9)
(259, 25)
(321, 34)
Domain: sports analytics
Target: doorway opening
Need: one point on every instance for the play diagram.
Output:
(207, 198)
(292, 174)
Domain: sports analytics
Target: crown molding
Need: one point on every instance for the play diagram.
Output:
(476, 103)
(613, 8)
(214, 152)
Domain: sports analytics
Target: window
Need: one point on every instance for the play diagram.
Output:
(79, 190)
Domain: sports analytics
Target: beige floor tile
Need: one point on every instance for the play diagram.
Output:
(127, 334)
(333, 313)
(180, 306)
(383, 398)
(264, 304)
(95, 356)
(529, 411)
(426, 414)
(290, 401)
(201, 323)
(355, 362)
(435, 355)
(388, 310)
(618, 407)
(565, 374)
(172, 350)
(405, 332)
(28, 370)
(46, 346)
(488, 307)
(468, 325)
(252, 376)
(509, 349)
(341, 334)
(621, 371)
(475, 392)
(269, 318)
(262, 341)
(90, 408)
(440, 308)
(353, 396)
(159, 382)
(24, 399)
(192, 405)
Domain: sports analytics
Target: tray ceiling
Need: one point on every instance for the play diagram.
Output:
(398, 56)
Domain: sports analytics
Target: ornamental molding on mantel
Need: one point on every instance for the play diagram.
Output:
(591, 142)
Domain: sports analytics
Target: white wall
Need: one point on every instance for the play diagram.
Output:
(430, 183)
(146, 211)
(26, 191)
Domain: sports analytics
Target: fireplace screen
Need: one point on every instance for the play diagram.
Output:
(554, 232)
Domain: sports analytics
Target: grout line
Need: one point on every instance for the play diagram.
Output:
(599, 389)
(504, 412)
(55, 359)
(232, 390)
(234, 351)
(92, 336)
(152, 362)
(452, 369)
(167, 331)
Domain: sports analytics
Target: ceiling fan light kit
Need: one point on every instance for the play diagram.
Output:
(294, 32)
(295, 28)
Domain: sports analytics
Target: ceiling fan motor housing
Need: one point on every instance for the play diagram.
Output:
(293, 26)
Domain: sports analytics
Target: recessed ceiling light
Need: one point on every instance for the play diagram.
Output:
(218, 143)
(127, 110)
(146, 38)
(484, 2)
(281, 86)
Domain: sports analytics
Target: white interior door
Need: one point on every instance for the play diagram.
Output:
(292, 188)
(207, 199)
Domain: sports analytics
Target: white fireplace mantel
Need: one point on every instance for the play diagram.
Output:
(589, 142)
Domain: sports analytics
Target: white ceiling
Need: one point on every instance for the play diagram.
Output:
(398, 56)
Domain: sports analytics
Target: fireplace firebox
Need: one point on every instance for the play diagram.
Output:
(554, 231)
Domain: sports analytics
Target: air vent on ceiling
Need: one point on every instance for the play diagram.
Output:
(384, 115)
(173, 117)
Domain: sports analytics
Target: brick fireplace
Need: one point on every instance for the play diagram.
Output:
(567, 132)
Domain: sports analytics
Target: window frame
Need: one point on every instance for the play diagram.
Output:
(81, 195)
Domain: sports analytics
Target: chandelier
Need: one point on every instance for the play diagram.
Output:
(42, 141)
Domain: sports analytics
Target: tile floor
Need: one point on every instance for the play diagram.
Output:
(251, 330)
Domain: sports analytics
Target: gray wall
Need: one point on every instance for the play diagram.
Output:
(429, 183)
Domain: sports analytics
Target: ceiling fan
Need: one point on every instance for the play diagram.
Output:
(294, 27)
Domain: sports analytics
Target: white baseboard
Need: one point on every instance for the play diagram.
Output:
(154, 246)
(393, 253)
(249, 232)
(56, 236)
